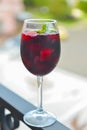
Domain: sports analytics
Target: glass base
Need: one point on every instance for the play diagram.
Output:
(39, 118)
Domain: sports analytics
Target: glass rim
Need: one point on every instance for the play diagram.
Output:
(40, 20)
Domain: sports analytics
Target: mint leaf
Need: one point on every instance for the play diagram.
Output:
(43, 29)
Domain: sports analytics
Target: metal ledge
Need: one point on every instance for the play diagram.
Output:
(18, 107)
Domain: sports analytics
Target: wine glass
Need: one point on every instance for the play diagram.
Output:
(40, 52)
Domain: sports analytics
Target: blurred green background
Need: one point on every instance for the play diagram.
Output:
(59, 9)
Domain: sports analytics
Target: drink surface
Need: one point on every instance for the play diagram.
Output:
(40, 52)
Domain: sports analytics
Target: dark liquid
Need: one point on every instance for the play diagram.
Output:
(40, 53)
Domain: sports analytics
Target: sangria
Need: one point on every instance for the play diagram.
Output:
(40, 52)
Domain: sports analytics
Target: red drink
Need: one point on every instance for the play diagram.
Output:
(40, 52)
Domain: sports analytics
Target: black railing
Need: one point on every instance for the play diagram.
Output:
(17, 107)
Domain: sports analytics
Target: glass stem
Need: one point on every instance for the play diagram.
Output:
(40, 82)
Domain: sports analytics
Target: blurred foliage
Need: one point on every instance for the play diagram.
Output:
(41, 2)
(82, 5)
(36, 3)
(28, 3)
(58, 9)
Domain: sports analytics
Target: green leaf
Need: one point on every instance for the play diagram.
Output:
(43, 29)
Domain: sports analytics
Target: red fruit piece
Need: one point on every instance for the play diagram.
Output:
(45, 54)
(54, 36)
(24, 37)
(28, 35)
(31, 33)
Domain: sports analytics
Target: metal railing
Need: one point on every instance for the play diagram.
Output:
(17, 107)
